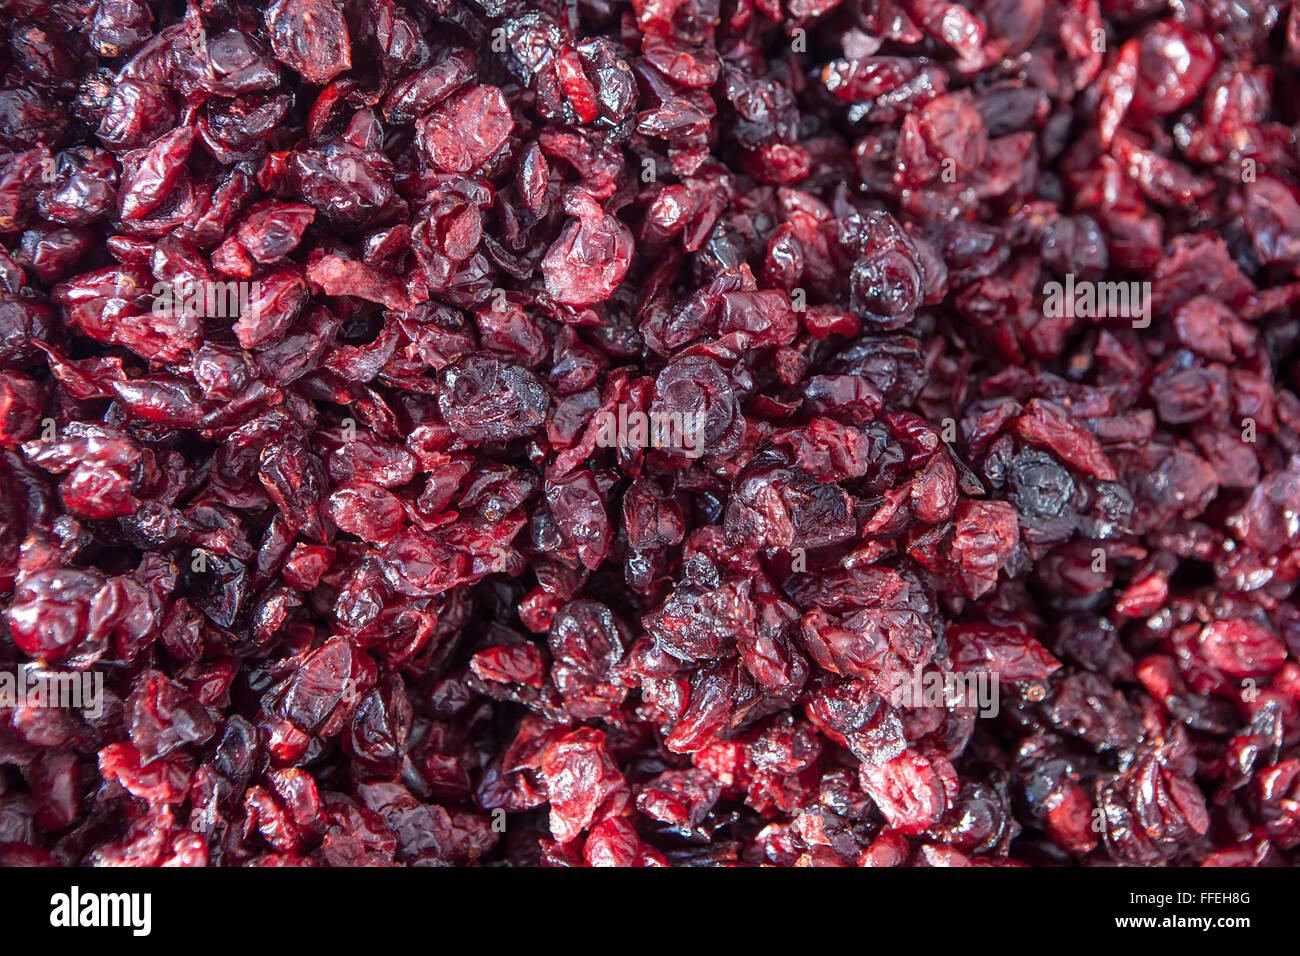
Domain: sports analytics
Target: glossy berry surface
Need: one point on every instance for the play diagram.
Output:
(568, 434)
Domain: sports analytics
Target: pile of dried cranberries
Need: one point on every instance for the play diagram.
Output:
(676, 432)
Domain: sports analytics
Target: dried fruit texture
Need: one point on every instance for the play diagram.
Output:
(310, 37)
(466, 131)
(587, 262)
(653, 433)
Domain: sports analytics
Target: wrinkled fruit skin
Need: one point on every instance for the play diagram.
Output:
(525, 433)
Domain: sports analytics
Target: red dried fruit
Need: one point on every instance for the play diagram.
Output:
(589, 259)
(1173, 64)
(1047, 425)
(1007, 653)
(150, 174)
(349, 352)
(512, 664)
(465, 131)
(987, 534)
(485, 399)
(579, 777)
(1242, 648)
(309, 36)
(908, 790)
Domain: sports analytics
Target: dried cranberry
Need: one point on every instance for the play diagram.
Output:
(846, 432)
